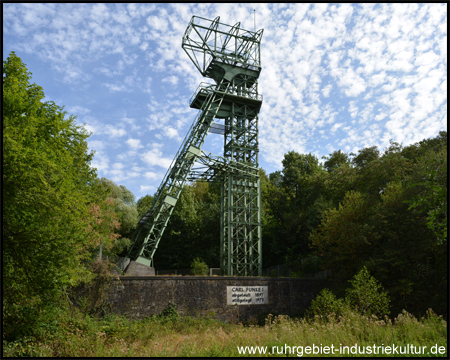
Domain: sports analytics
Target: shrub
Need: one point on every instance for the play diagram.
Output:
(199, 267)
(325, 304)
(367, 296)
(170, 312)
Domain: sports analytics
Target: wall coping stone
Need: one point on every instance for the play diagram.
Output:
(187, 277)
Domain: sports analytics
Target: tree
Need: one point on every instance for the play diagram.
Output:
(144, 204)
(193, 229)
(393, 220)
(296, 171)
(336, 159)
(431, 178)
(365, 156)
(344, 234)
(124, 205)
(47, 189)
(367, 295)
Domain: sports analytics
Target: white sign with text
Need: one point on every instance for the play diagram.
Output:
(247, 295)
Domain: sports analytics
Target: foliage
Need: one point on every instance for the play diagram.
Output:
(382, 207)
(335, 160)
(123, 204)
(170, 312)
(366, 295)
(193, 228)
(199, 267)
(47, 192)
(326, 304)
(80, 335)
(90, 295)
(297, 169)
(343, 234)
(432, 200)
(365, 157)
(102, 226)
(144, 204)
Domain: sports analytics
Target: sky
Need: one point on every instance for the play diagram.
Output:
(334, 76)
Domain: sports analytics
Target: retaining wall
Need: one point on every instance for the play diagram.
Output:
(141, 296)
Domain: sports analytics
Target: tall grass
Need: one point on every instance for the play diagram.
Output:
(80, 335)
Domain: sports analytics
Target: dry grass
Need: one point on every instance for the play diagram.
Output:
(187, 337)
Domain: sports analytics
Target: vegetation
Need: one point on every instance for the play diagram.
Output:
(365, 296)
(199, 267)
(169, 335)
(47, 191)
(57, 214)
(374, 214)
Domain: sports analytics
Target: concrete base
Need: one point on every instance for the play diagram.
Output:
(136, 269)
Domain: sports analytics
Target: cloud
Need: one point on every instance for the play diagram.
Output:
(113, 131)
(96, 145)
(135, 144)
(78, 110)
(152, 175)
(154, 157)
(171, 79)
(332, 75)
(147, 189)
(101, 162)
(117, 87)
(172, 133)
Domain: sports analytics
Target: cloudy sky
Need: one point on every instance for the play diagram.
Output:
(334, 76)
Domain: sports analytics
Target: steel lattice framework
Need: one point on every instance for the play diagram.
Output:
(230, 56)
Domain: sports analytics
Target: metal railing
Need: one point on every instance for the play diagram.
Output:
(187, 272)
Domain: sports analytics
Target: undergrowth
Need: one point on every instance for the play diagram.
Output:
(169, 334)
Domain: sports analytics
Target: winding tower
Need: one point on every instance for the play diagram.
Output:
(230, 56)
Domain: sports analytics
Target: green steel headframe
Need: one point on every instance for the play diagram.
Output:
(230, 56)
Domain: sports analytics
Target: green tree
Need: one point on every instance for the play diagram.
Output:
(335, 160)
(326, 304)
(390, 220)
(337, 183)
(365, 156)
(272, 210)
(297, 168)
(124, 206)
(47, 189)
(431, 178)
(193, 229)
(367, 296)
(344, 234)
(144, 204)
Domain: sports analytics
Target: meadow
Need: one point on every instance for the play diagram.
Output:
(80, 335)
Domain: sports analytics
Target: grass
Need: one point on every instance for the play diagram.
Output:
(116, 336)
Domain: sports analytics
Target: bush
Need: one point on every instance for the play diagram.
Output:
(199, 267)
(367, 296)
(325, 304)
(170, 312)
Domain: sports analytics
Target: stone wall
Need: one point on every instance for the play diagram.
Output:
(141, 296)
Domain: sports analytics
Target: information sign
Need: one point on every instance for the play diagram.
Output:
(247, 295)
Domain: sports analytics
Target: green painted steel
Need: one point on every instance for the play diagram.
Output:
(151, 227)
(230, 56)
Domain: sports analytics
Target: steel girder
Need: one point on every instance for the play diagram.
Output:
(230, 56)
(151, 227)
